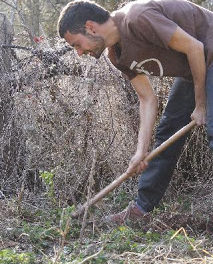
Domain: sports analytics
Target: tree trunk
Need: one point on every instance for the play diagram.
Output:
(9, 136)
(36, 17)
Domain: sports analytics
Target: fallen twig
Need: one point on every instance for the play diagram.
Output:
(91, 257)
(91, 183)
(187, 238)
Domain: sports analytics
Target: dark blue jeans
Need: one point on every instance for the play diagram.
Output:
(155, 180)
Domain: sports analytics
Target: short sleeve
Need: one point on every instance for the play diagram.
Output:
(154, 27)
(129, 74)
(126, 71)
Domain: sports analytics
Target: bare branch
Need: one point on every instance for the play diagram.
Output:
(21, 18)
(15, 47)
(53, 6)
(5, 2)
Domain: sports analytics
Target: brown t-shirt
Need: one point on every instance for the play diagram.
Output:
(146, 29)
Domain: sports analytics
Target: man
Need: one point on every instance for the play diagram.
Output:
(160, 38)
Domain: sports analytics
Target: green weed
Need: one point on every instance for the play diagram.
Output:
(39, 235)
(48, 177)
(122, 199)
(126, 239)
(8, 256)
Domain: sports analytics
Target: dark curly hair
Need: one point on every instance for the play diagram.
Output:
(75, 14)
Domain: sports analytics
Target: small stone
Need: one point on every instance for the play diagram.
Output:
(2, 196)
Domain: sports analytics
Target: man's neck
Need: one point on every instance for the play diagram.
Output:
(110, 33)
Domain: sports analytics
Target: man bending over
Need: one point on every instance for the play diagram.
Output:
(158, 38)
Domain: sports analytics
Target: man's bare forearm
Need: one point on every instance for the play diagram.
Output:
(194, 50)
(197, 64)
(148, 113)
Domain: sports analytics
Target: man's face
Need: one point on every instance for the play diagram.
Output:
(86, 44)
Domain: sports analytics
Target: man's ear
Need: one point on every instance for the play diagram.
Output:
(91, 27)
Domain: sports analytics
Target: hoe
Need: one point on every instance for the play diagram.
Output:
(80, 210)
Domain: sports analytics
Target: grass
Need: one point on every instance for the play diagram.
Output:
(41, 238)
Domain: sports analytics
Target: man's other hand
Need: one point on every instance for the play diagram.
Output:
(199, 115)
(137, 163)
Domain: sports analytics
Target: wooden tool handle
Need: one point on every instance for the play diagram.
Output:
(125, 176)
(170, 141)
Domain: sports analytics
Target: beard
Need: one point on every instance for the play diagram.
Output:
(99, 45)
